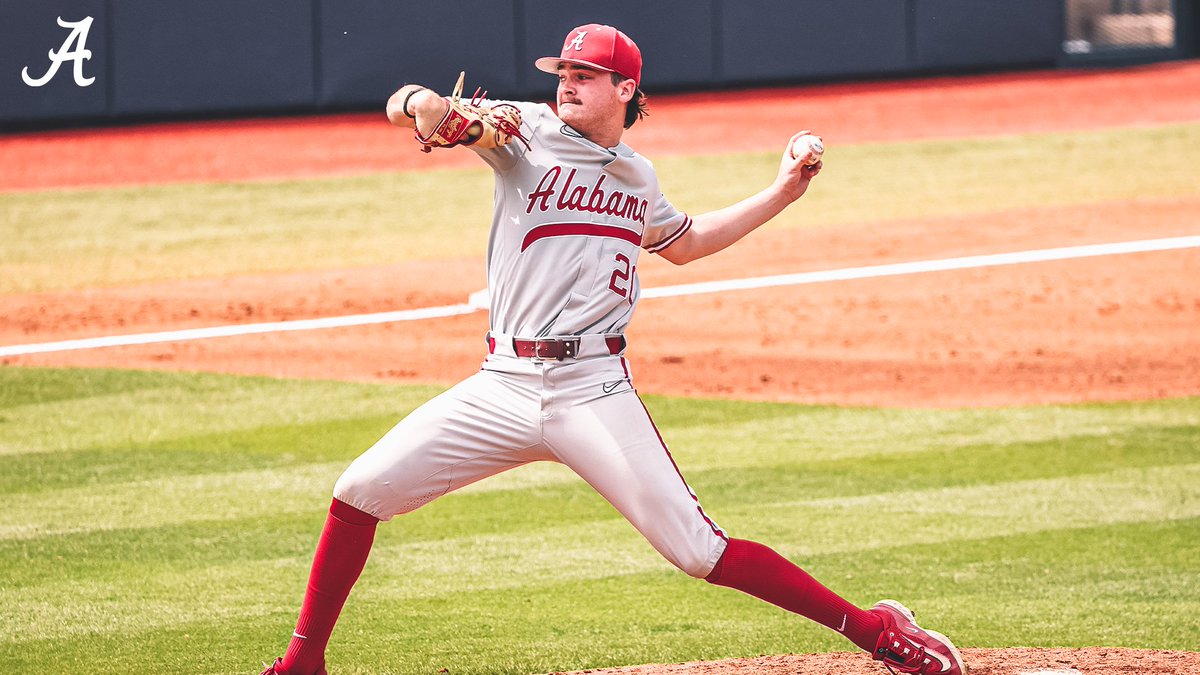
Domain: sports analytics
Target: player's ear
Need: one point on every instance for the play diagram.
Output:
(626, 90)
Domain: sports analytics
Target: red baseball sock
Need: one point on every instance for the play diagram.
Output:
(341, 554)
(759, 571)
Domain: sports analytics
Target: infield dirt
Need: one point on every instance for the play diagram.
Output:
(1018, 661)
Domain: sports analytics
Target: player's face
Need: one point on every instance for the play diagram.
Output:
(588, 100)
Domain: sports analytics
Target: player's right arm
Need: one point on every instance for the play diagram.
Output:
(416, 107)
(716, 230)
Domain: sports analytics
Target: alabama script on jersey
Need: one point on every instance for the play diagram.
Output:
(589, 210)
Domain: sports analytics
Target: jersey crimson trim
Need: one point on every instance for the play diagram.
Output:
(579, 229)
(716, 530)
(671, 238)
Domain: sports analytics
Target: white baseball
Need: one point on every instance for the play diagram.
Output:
(808, 148)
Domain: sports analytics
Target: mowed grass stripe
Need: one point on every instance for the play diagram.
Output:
(151, 503)
(177, 547)
(766, 434)
(57, 410)
(602, 548)
(954, 514)
(1047, 588)
(88, 238)
(257, 448)
(532, 499)
(778, 450)
(281, 448)
(169, 500)
(117, 518)
(112, 426)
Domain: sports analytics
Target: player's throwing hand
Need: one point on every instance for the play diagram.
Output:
(797, 166)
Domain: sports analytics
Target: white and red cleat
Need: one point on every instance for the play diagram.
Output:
(905, 647)
(277, 669)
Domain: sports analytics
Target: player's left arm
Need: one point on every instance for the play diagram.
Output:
(444, 122)
(717, 230)
(416, 107)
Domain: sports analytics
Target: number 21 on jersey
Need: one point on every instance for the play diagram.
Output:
(619, 281)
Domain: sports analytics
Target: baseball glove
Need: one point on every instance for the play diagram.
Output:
(469, 123)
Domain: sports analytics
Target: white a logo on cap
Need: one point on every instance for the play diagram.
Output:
(577, 43)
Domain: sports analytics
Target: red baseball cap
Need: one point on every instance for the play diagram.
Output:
(598, 46)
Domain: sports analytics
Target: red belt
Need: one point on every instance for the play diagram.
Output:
(556, 348)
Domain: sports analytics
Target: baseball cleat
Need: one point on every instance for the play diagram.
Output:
(277, 669)
(905, 647)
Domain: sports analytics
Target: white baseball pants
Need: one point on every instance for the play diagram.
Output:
(582, 412)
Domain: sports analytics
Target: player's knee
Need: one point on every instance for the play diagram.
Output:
(384, 495)
(360, 490)
(695, 567)
(695, 562)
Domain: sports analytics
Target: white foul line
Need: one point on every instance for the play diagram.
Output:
(895, 269)
(238, 329)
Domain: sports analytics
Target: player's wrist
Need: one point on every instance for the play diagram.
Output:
(404, 109)
(398, 106)
(784, 191)
(414, 104)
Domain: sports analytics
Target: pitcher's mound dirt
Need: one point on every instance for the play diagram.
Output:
(1016, 661)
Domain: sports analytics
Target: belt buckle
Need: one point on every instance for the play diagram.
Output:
(554, 349)
(543, 350)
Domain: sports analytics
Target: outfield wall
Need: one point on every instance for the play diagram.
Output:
(153, 59)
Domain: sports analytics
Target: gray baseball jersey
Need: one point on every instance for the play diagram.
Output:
(570, 220)
(571, 217)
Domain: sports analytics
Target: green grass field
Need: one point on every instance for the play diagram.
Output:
(158, 522)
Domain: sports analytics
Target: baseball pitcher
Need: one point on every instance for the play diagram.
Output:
(574, 209)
